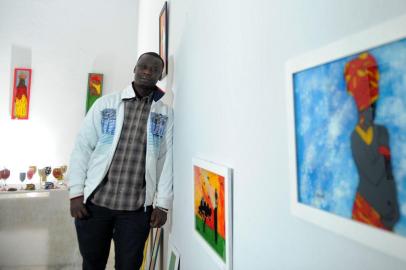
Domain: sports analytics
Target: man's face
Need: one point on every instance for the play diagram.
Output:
(147, 71)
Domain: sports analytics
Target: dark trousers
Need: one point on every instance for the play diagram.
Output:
(128, 229)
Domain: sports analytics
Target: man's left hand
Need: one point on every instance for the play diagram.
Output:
(158, 218)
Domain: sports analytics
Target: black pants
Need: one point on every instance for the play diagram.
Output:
(128, 229)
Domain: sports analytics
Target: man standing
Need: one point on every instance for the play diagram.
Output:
(121, 167)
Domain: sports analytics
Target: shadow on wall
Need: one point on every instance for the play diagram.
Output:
(21, 57)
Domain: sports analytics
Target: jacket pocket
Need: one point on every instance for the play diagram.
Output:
(108, 125)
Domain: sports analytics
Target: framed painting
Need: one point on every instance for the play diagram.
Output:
(94, 89)
(163, 38)
(347, 120)
(213, 210)
(173, 258)
(21, 93)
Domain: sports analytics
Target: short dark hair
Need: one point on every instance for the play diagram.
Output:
(155, 55)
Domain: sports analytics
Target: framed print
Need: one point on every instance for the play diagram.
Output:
(21, 93)
(213, 210)
(173, 258)
(347, 120)
(163, 38)
(94, 89)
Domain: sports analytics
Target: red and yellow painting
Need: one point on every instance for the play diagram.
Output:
(209, 209)
(94, 89)
(21, 93)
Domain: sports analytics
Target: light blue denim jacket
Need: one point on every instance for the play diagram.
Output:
(97, 140)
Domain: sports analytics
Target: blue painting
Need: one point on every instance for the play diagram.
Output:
(350, 122)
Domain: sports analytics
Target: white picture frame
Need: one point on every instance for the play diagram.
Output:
(226, 261)
(384, 241)
(173, 258)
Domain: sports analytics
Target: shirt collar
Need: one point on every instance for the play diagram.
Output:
(128, 93)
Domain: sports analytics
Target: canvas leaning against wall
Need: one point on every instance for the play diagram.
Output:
(213, 210)
(348, 117)
(21, 93)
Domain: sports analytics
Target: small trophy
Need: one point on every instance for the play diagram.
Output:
(57, 173)
(31, 171)
(42, 176)
(22, 178)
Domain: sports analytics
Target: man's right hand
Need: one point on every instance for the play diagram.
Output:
(77, 208)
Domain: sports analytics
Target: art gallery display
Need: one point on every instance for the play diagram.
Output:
(213, 210)
(347, 117)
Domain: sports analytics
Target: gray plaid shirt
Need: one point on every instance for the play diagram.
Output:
(124, 186)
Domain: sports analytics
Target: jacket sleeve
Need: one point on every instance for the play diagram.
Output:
(84, 146)
(164, 194)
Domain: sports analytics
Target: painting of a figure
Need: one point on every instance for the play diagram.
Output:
(94, 89)
(350, 121)
(376, 200)
(21, 93)
(209, 209)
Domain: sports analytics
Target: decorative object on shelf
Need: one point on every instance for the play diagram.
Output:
(30, 187)
(21, 93)
(22, 176)
(163, 38)
(57, 173)
(48, 170)
(12, 189)
(212, 209)
(346, 112)
(42, 175)
(4, 175)
(31, 172)
(94, 89)
(49, 185)
(64, 168)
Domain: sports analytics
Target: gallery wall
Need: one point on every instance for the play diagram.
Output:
(228, 84)
(62, 41)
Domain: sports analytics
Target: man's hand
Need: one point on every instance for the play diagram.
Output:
(158, 218)
(77, 208)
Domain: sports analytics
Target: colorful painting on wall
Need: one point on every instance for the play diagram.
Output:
(94, 89)
(163, 38)
(21, 93)
(212, 208)
(349, 136)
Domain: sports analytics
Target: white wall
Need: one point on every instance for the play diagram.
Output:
(62, 41)
(228, 62)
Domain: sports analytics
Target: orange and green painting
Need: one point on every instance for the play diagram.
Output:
(209, 209)
(94, 89)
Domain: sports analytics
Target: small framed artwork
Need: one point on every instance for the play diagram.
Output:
(213, 210)
(173, 258)
(94, 89)
(347, 126)
(21, 93)
(163, 38)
